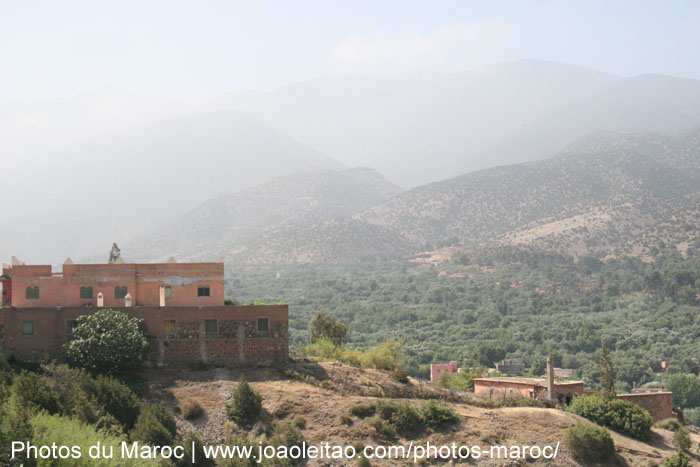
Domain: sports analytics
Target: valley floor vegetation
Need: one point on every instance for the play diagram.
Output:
(479, 308)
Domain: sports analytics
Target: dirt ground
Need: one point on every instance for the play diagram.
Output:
(322, 392)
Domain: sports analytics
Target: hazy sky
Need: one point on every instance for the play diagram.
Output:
(198, 49)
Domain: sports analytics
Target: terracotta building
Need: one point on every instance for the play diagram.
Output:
(438, 369)
(181, 305)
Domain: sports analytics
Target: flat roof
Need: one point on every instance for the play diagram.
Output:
(531, 381)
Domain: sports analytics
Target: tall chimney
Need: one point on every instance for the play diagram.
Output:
(550, 379)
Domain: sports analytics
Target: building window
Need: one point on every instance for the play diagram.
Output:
(211, 326)
(168, 327)
(70, 325)
(32, 293)
(168, 291)
(203, 291)
(86, 292)
(27, 328)
(263, 324)
(120, 292)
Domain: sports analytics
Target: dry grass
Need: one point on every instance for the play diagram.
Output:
(322, 405)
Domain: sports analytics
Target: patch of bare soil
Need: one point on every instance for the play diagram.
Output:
(323, 392)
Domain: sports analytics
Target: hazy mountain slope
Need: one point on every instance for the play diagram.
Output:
(647, 103)
(419, 127)
(240, 224)
(422, 127)
(36, 127)
(113, 188)
(606, 187)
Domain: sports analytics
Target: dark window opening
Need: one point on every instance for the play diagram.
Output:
(168, 291)
(263, 324)
(211, 326)
(32, 293)
(27, 328)
(120, 292)
(203, 291)
(86, 292)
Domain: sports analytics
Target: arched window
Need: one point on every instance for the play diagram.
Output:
(32, 293)
(120, 292)
(86, 292)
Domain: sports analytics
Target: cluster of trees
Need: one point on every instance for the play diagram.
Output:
(504, 303)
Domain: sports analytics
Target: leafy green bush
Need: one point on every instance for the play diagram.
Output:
(286, 434)
(589, 443)
(685, 389)
(436, 415)
(463, 380)
(620, 415)
(65, 431)
(679, 459)
(363, 410)
(406, 419)
(400, 375)
(34, 391)
(107, 342)
(692, 416)
(385, 356)
(155, 426)
(245, 405)
(116, 398)
(192, 409)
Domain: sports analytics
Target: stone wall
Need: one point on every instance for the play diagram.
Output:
(236, 341)
(658, 404)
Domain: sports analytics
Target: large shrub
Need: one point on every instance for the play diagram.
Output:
(107, 342)
(155, 426)
(589, 443)
(385, 356)
(437, 415)
(617, 414)
(245, 405)
(34, 392)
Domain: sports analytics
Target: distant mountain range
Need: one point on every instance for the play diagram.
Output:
(417, 128)
(83, 172)
(605, 194)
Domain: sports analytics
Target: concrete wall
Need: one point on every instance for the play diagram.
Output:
(658, 404)
(236, 341)
(142, 281)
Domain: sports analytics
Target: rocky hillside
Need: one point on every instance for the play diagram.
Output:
(593, 196)
(291, 218)
(607, 194)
